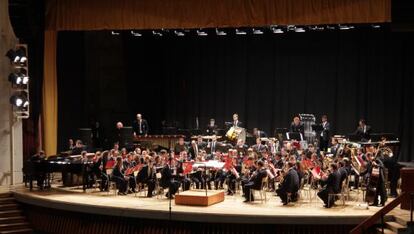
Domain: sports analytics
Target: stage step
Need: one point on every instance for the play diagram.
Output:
(18, 231)
(10, 206)
(394, 226)
(12, 219)
(7, 200)
(9, 213)
(3, 195)
(386, 231)
(14, 226)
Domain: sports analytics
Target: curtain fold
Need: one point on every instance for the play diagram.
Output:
(50, 92)
(149, 14)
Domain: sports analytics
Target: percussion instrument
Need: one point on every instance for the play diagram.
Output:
(236, 133)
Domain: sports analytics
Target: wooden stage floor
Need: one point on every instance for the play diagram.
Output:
(231, 210)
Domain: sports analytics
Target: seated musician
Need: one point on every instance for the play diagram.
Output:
(363, 130)
(167, 180)
(259, 133)
(334, 147)
(129, 162)
(342, 171)
(200, 143)
(258, 147)
(197, 176)
(232, 176)
(212, 128)
(193, 150)
(79, 147)
(119, 178)
(240, 147)
(39, 174)
(212, 146)
(289, 187)
(140, 126)
(332, 186)
(180, 146)
(180, 177)
(297, 126)
(101, 164)
(87, 173)
(147, 175)
(254, 182)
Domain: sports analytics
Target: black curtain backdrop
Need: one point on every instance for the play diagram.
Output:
(266, 79)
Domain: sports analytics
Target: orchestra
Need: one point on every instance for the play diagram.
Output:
(236, 166)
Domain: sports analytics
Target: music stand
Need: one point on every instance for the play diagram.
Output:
(280, 134)
(317, 127)
(294, 136)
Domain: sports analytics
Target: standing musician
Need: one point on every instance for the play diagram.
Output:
(380, 191)
(332, 185)
(297, 126)
(290, 185)
(140, 126)
(363, 131)
(325, 134)
(236, 122)
(254, 182)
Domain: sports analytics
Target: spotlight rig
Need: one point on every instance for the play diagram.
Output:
(19, 79)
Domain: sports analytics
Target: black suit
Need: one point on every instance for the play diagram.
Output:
(364, 133)
(118, 177)
(332, 186)
(254, 183)
(193, 151)
(324, 136)
(167, 181)
(290, 184)
(237, 124)
(211, 130)
(297, 128)
(147, 176)
(141, 128)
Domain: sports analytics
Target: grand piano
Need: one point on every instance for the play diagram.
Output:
(71, 168)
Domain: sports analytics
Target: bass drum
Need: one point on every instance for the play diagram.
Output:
(236, 133)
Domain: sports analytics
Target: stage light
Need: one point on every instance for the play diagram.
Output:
(299, 30)
(19, 100)
(376, 26)
(179, 33)
(345, 27)
(17, 56)
(156, 33)
(240, 32)
(316, 28)
(257, 31)
(19, 78)
(220, 32)
(115, 33)
(277, 30)
(329, 27)
(201, 33)
(135, 34)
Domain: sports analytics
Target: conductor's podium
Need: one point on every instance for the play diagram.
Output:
(199, 197)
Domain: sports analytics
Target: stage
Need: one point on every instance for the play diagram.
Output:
(231, 210)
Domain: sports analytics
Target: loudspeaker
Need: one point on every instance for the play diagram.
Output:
(85, 135)
(126, 136)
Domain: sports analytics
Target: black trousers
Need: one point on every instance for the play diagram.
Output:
(122, 185)
(172, 187)
(324, 195)
(246, 191)
(380, 192)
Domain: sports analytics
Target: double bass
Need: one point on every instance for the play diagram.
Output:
(373, 181)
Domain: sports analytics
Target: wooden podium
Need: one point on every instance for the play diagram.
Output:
(199, 198)
(407, 185)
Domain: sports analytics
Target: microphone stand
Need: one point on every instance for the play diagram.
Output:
(205, 177)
